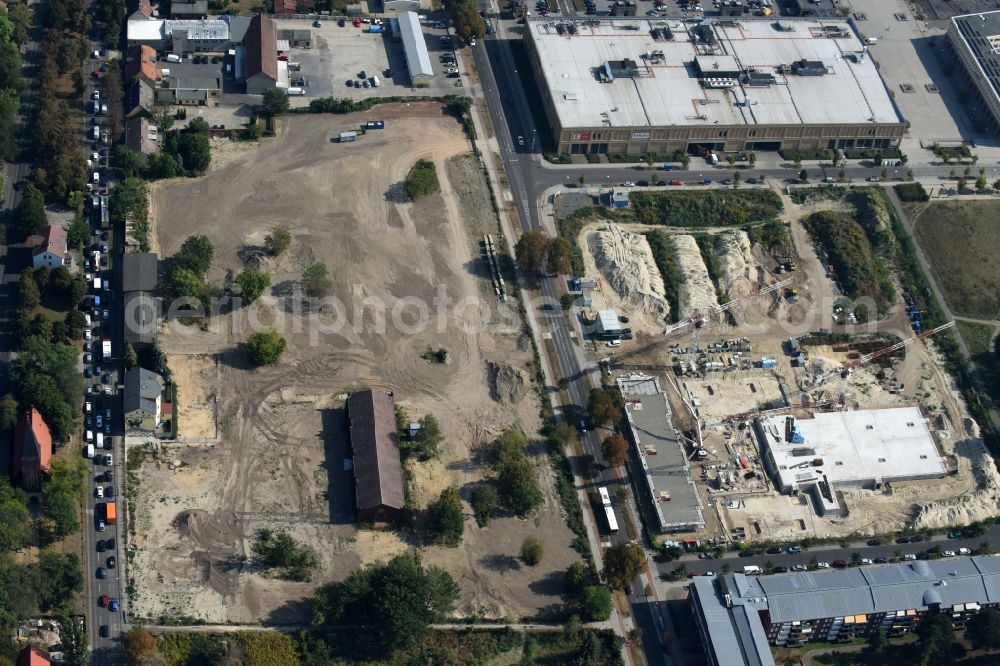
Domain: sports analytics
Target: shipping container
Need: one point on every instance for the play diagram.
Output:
(110, 512)
(348, 136)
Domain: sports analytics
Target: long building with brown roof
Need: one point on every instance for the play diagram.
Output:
(378, 474)
(261, 55)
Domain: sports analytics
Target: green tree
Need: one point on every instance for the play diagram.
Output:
(445, 521)
(278, 240)
(509, 445)
(935, 638)
(396, 601)
(15, 521)
(605, 405)
(28, 294)
(60, 579)
(315, 280)
(73, 637)
(576, 577)
(275, 103)
(265, 347)
(622, 563)
(531, 249)
(63, 493)
(559, 258)
(29, 217)
(596, 603)
(129, 161)
(803, 176)
(614, 449)
(517, 484)
(21, 17)
(8, 126)
(278, 550)
(876, 646)
(980, 183)
(140, 647)
(196, 255)
(532, 550)
(78, 232)
(8, 412)
(252, 284)
(183, 282)
(484, 500)
(428, 439)
(983, 629)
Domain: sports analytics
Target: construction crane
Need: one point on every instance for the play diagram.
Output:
(700, 319)
(843, 372)
(847, 369)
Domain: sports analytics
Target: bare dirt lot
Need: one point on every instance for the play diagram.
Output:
(279, 462)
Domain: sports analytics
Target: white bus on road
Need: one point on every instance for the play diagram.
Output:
(612, 521)
(605, 498)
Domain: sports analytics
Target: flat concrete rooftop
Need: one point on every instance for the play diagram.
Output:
(668, 479)
(665, 90)
(854, 448)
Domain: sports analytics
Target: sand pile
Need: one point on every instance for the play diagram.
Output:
(627, 264)
(980, 504)
(507, 383)
(739, 274)
(698, 292)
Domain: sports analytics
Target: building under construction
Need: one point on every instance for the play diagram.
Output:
(666, 472)
(857, 449)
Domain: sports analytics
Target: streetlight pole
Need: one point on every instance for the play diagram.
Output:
(534, 135)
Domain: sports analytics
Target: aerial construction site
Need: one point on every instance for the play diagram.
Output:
(767, 397)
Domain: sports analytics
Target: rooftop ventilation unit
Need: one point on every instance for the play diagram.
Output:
(809, 68)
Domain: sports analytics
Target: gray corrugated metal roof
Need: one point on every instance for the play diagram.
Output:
(992, 585)
(819, 604)
(736, 634)
(417, 59)
(987, 565)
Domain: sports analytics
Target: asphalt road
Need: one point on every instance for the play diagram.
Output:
(509, 112)
(101, 545)
(831, 552)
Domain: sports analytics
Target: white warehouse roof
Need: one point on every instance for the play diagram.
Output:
(417, 59)
(855, 448)
(664, 90)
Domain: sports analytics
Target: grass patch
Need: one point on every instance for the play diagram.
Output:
(705, 209)
(978, 337)
(960, 240)
(422, 180)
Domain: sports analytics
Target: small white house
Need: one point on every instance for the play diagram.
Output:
(49, 248)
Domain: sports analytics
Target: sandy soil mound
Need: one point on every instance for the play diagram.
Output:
(982, 503)
(627, 264)
(507, 383)
(698, 292)
(739, 275)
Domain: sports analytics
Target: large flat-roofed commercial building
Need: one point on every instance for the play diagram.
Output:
(858, 449)
(628, 85)
(735, 612)
(975, 39)
(667, 482)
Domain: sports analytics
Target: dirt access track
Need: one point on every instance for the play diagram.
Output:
(279, 459)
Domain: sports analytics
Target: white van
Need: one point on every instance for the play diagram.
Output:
(165, 72)
(88, 406)
(86, 319)
(752, 570)
(104, 109)
(295, 92)
(100, 440)
(95, 107)
(97, 176)
(95, 133)
(376, 82)
(89, 451)
(90, 436)
(173, 57)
